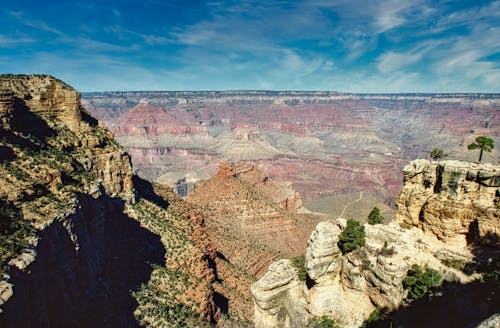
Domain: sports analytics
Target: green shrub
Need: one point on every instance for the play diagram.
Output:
(352, 237)
(437, 154)
(374, 217)
(322, 322)
(14, 231)
(299, 262)
(419, 281)
(376, 315)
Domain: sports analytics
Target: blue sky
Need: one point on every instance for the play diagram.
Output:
(342, 45)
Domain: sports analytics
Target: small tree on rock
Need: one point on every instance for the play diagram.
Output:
(483, 144)
(352, 237)
(419, 281)
(374, 217)
(437, 154)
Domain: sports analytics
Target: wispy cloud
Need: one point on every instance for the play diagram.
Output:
(346, 45)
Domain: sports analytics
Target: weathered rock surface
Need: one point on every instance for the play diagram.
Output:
(349, 287)
(79, 232)
(451, 199)
(46, 95)
(278, 301)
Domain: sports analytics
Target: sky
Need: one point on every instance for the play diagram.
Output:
(384, 46)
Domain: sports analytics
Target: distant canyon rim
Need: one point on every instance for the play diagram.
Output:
(342, 152)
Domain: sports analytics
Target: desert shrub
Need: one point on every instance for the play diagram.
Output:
(454, 263)
(299, 262)
(377, 315)
(386, 250)
(437, 154)
(419, 281)
(352, 237)
(374, 217)
(322, 322)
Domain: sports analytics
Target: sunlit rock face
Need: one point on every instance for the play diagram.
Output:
(443, 207)
(451, 199)
(327, 144)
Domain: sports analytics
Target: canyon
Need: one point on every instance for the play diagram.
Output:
(341, 151)
(87, 240)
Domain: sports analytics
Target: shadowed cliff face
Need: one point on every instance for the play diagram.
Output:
(82, 243)
(85, 270)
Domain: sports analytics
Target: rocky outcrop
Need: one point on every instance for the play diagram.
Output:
(83, 241)
(247, 218)
(438, 203)
(348, 288)
(46, 95)
(6, 106)
(277, 295)
(451, 199)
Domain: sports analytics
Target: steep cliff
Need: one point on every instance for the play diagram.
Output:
(349, 287)
(451, 199)
(79, 232)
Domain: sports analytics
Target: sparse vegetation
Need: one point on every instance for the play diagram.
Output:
(14, 233)
(375, 217)
(376, 315)
(483, 144)
(352, 237)
(299, 263)
(437, 154)
(454, 263)
(419, 281)
(322, 322)
(386, 250)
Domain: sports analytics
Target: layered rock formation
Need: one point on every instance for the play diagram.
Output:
(253, 221)
(79, 232)
(331, 146)
(47, 96)
(348, 288)
(451, 199)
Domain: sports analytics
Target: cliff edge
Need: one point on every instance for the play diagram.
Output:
(436, 209)
(82, 241)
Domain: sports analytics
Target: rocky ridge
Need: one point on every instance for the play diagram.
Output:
(348, 288)
(451, 199)
(253, 221)
(79, 231)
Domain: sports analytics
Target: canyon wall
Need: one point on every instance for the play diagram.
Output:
(439, 199)
(84, 242)
(334, 147)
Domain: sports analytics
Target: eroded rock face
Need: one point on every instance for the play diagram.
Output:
(278, 298)
(451, 199)
(349, 287)
(47, 95)
(439, 202)
(322, 250)
(6, 105)
(92, 238)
